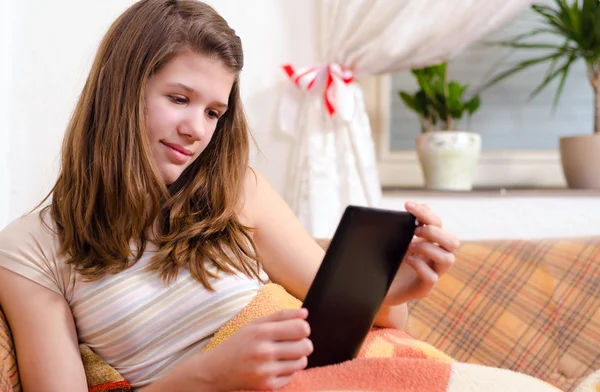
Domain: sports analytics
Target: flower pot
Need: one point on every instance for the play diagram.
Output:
(580, 158)
(449, 159)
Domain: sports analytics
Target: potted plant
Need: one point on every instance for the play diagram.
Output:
(449, 157)
(578, 28)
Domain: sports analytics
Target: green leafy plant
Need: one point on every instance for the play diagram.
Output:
(439, 102)
(578, 27)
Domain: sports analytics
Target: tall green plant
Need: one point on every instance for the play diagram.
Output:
(578, 26)
(438, 102)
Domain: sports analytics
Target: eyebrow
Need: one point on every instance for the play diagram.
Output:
(190, 90)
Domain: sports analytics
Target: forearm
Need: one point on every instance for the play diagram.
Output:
(392, 317)
(183, 378)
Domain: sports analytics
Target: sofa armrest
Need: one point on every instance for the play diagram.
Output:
(9, 376)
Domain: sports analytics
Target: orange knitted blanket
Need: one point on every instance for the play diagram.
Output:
(389, 360)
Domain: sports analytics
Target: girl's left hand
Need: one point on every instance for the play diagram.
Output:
(430, 256)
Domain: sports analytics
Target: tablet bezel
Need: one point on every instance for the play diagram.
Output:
(340, 325)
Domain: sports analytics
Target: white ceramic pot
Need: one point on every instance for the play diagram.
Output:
(449, 159)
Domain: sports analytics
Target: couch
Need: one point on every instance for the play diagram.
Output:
(532, 306)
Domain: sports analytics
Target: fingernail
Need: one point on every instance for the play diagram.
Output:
(410, 259)
(411, 205)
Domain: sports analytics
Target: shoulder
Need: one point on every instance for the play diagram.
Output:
(35, 229)
(258, 194)
(29, 246)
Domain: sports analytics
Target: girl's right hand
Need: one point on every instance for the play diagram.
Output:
(264, 354)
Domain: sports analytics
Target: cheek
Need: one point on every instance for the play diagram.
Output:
(161, 118)
(210, 134)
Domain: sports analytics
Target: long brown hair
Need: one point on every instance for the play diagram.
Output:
(109, 191)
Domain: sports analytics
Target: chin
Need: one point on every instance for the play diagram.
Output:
(170, 176)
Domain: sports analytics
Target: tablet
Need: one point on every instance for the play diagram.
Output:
(358, 268)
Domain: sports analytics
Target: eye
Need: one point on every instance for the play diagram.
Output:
(178, 99)
(213, 114)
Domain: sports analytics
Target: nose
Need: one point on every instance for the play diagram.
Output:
(193, 127)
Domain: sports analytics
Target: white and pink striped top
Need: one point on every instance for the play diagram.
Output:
(132, 320)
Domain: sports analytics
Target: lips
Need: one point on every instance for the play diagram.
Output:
(178, 148)
(176, 153)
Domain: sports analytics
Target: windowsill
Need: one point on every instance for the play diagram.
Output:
(492, 192)
(516, 213)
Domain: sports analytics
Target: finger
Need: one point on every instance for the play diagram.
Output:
(285, 330)
(293, 349)
(439, 236)
(286, 314)
(423, 214)
(424, 271)
(441, 258)
(279, 382)
(289, 367)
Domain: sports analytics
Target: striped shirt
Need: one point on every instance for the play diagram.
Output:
(133, 320)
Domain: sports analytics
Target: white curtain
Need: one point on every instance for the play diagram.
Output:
(335, 163)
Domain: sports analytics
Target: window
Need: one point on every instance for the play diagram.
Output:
(520, 136)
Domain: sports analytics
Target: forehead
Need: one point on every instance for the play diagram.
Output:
(205, 75)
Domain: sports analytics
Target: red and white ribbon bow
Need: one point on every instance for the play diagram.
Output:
(335, 77)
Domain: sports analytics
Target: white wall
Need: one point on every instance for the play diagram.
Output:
(47, 48)
(273, 32)
(50, 52)
(6, 92)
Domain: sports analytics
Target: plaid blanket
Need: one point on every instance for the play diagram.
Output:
(529, 306)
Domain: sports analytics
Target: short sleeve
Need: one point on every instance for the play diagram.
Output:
(28, 247)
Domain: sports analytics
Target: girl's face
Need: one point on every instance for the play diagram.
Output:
(184, 100)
